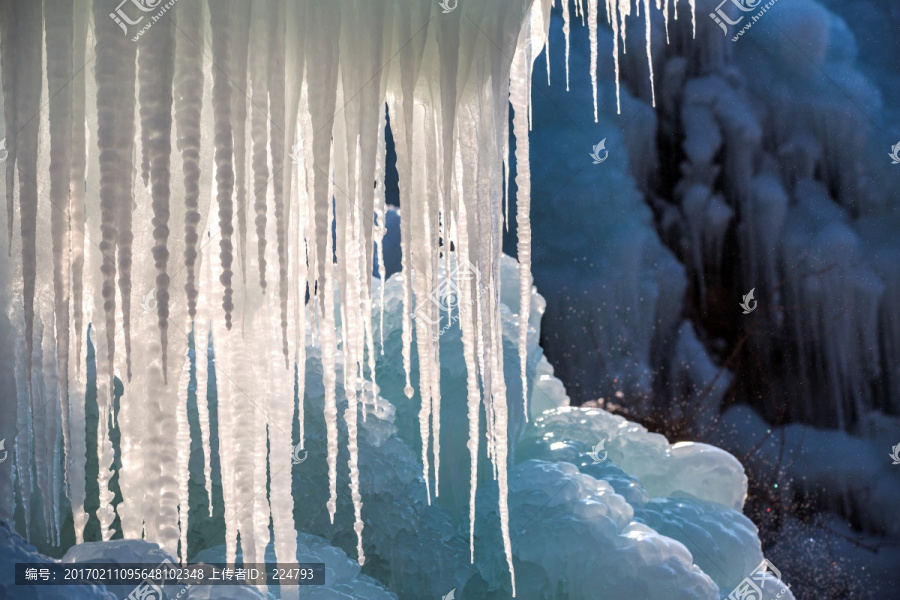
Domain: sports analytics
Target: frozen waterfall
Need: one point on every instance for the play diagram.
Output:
(111, 242)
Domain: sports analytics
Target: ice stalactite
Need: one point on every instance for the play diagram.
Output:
(566, 28)
(188, 110)
(27, 82)
(259, 81)
(220, 22)
(157, 71)
(60, 25)
(592, 28)
(77, 376)
(241, 47)
(329, 348)
(276, 83)
(322, 52)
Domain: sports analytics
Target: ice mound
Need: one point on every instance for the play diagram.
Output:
(14, 549)
(651, 521)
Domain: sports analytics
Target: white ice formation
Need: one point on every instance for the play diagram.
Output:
(108, 237)
(654, 520)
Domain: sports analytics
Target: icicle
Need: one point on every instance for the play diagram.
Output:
(219, 20)
(108, 76)
(188, 109)
(258, 132)
(566, 29)
(592, 28)
(157, 71)
(649, 50)
(329, 348)
(81, 8)
(520, 74)
(81, 287)
(242, 19)
(275, 64)
(60, 40)
(28, 53)
(183, 443)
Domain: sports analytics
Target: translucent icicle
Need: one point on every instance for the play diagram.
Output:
(157, 71)
(242, 19)
(220, 23)
(566, 30)
(649, 50)
(592, 28)
(189, 82)
(81, 10)
(259, 81)
(520, 74)
(108, 74)
(329, 348)
(60, 24)
(28, 53)
(276, 73)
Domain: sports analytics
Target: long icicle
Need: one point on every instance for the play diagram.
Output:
(220, 19)
(60, 21)
(157, 72)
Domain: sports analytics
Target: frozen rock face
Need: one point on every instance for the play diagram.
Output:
(763, 168)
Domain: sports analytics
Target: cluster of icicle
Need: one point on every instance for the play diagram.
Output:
(275, 113)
